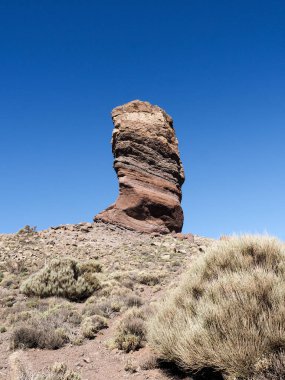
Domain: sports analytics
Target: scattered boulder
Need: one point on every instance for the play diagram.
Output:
(149, 170)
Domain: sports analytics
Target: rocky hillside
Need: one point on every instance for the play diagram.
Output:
(92, 335)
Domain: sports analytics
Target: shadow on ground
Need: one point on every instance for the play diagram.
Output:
(176, 373)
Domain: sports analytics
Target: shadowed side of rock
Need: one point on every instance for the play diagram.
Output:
(149, 170)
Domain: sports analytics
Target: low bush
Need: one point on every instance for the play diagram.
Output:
(90, 266)
(38, 336)
(27, 230)
(51, 325)
(63, 278)
(133, 300)
(106, 307)
(229, 312)
(149, 279)
(130, 334)
(92, 325)
(108, 304)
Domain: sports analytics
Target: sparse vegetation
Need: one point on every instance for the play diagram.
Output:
(64, 278)
(105, 306)
(131, 330)
(58, 371)
(133, 300)
(115, 300)
(27, 230)
(51, 319)
(229, 312)
(92, 325)
(149, 279)
(46, 324)
(38, 336)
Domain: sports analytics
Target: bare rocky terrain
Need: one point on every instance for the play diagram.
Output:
(137, 270)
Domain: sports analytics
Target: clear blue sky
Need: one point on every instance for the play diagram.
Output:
(217, 67)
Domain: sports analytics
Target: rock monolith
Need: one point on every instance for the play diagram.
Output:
(149, 170)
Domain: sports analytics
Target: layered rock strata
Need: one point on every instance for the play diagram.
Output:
(149, 170)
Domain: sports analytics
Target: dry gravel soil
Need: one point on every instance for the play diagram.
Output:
(126, 258)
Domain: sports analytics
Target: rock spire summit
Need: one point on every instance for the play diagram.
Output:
(149, 170)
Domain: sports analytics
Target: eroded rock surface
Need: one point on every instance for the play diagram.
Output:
(149, 170)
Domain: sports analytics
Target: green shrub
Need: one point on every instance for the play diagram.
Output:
(63, 278)
(130, 334)
(229, 311)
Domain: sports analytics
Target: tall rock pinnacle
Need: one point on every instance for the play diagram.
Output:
(149, 170)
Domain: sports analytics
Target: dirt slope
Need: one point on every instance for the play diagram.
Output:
(135, 266)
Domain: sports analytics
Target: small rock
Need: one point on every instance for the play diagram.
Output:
(85, 229)
(190, 237)
(180, 236)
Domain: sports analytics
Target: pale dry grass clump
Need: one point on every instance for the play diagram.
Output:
(229, 311)
(64, 278)
(92, 325)
(58, 371)
(271, 367)
(150, 278)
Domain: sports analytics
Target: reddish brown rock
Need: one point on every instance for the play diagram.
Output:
(149, 170)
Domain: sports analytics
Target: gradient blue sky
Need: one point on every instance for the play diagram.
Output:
(217, 67)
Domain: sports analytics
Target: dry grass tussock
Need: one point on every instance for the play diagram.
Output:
(48, 323)
(38, 336)
(271, 367)
(50, 328)
(64, 278)
(130, 334)
(229, 311)
(58, 371)
(92, 325)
